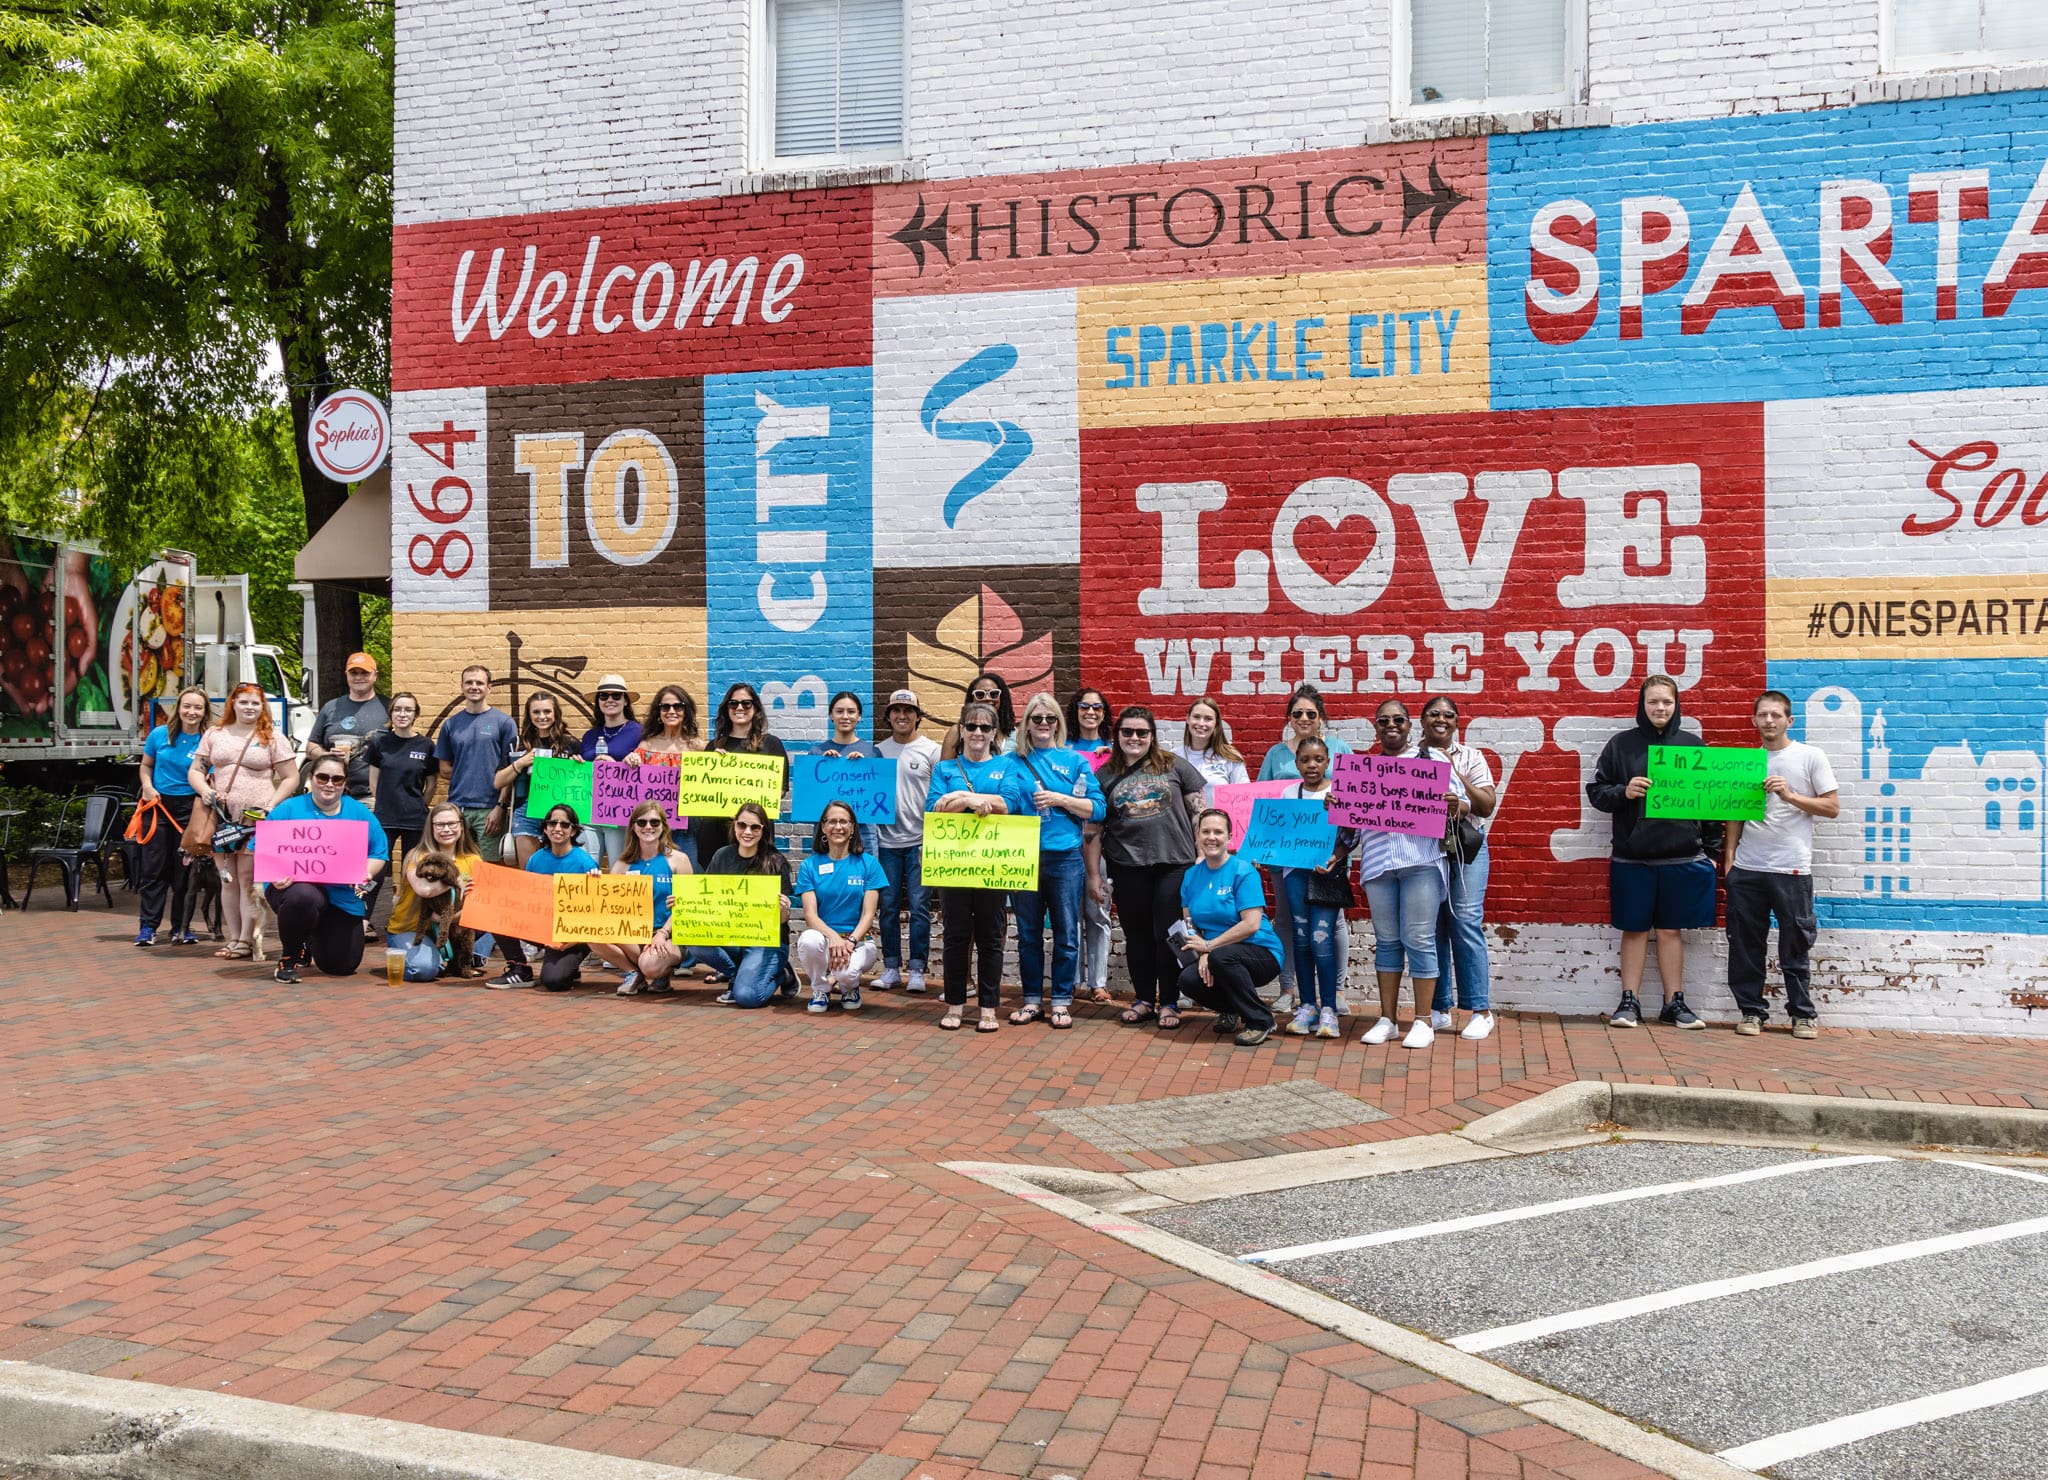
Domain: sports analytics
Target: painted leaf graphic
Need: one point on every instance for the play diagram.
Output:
(982, 633)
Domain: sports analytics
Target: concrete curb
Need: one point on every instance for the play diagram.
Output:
(55, 1423)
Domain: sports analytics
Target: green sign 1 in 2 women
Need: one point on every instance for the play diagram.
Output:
(1707, 783)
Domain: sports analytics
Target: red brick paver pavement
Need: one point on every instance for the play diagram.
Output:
(665, 1229)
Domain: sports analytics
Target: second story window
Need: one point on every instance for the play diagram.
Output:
(1464, 54)
(835, 68)
(1962, 33)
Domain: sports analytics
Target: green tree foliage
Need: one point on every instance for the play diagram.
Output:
(184, 183)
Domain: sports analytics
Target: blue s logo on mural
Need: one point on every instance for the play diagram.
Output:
(1008, 443)
(1792, 254)
(788, 532)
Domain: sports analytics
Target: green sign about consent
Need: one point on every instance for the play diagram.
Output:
(1706, 783)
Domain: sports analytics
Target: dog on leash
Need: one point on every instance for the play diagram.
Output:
(437, 886)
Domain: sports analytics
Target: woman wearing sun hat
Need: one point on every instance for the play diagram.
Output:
(614, 737)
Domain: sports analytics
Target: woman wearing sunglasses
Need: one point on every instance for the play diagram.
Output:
(1088, 733)
(1464, 973)
(753, 971)
(840, 885)
(1148, 836)
(1405, 885)
(615, 736)
(651, 852)
(559, 964)
(321, 925)
(671, 731)
(1066, 797)
(993, 690)
(741, 727)
(978, 781)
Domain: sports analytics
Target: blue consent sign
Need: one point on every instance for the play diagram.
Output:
(1286, 832)
(867, 785)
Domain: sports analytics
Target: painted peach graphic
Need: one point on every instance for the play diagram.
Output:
(982, 633)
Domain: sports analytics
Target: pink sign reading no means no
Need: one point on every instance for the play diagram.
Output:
(1392, 793)
(320, 850)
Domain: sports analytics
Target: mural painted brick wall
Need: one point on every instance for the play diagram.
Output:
(1748, 400)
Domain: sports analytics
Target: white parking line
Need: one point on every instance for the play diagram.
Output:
(1836, 1432)
(1981, 1166)
(1622, 1310)
(1545, 1210)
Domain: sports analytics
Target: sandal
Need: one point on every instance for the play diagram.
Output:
(951, 1021)
(1138, 1012)
(1030, 1012)
(1169, 1020)
(235, 950)
(1101, 995)
(988, 1023)
(1061, 1018)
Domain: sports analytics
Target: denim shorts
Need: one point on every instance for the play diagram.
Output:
(526, 827)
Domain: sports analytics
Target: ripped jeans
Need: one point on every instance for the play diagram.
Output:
(1318, 969)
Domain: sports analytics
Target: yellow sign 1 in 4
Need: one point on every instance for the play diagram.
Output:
(727, 910)
(963, 851)
(1706, 783)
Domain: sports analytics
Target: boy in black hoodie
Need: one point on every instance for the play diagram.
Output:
(1661, 876)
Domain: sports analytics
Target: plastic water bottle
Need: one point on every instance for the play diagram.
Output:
(603, 750)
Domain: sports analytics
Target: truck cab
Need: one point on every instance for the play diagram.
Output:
(223, 642)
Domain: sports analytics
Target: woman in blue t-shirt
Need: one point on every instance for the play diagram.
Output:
(558, 964)
(650, 850)
(1067, 798)
(1235, 950)
(167, 787)
(321, 925)
(985, 784)
(840, 885)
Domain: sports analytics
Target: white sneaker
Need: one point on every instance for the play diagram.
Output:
(1440, 1020)
(889, 980)
(1304, 1023)
(1283, 1004)
(629, 984)
(1480, 1027)
(1380, 1031)
(915, 981)
(1419, 1036)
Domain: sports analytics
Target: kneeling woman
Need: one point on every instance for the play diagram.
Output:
(559, 964)
(321, 925)
(841, 886)
(650, 849)
(753, 970)
(1236, 951)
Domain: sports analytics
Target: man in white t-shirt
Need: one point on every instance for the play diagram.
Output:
(1770, 872)
(902, 844)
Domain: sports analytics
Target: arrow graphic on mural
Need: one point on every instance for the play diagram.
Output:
(1436, 202)
(916, 234)
(1008, 443)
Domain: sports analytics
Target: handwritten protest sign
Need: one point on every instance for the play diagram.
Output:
(867, 785)
(1287, 832)
(963, 851)
(322, 851)
(618, 908)
(1706, 783)
(727, 910)
(555, 781)
(616, 788)
(1390, 793)
(510, 902)
(1237, 799)
(716, 783)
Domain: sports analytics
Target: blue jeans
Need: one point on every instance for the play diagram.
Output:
(1461, 938)
(904, 869)
(1404, 905)
(1093, 970)
(1061, 883)
(1318, 972)
(753, 972)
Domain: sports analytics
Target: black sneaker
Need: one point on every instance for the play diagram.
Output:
(1226, 1022)
(516, 976)
(1628, 1015)
(287, 973)
(1678, 1015)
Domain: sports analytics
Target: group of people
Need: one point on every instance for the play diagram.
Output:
(1126, 818)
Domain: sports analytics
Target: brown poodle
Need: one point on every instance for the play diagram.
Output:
(437, 885)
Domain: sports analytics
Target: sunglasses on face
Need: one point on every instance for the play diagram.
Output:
(328, 779)
(1304, 714)
(611, 698)
(1042, 719)
(678, 708)
(1130, 734)
(979, 729)
(740, 827)
(740, 704)
(986, 696)
(651, 823)
(557, 822)
(1391, 722)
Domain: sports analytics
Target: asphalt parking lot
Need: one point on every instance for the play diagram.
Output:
(1806, 1315)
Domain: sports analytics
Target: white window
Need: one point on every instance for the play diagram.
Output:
(834, 80)
(1492, 53)
(1964, 33)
